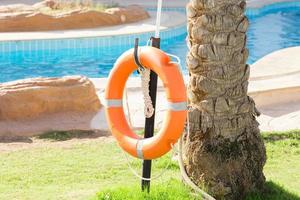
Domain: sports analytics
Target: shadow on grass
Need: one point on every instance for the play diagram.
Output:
(272, 191)
(17, 139)
(276, 136)
(55, 136)
(68, 135)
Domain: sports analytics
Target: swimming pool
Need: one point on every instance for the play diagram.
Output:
(271, 29)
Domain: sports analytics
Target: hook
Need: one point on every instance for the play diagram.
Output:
(136, 56)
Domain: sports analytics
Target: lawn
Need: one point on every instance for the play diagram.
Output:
(96, 169)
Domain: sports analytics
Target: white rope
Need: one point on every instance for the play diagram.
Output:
(143, 178)
(184, 174)
(178, 61)
(145, 79)
(126, 156)
(145, 74)
(128, 111)
(148, 42)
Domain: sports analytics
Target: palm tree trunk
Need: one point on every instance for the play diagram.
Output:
(223, 150)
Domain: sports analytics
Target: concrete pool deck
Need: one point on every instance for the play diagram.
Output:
(277, 95)
(275, 86)
(169, 20)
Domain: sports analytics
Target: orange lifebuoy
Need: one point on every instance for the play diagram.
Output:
(174, 122)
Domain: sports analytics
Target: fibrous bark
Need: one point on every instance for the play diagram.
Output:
(223, 149)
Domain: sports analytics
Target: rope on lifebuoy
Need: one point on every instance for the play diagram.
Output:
(126, 156)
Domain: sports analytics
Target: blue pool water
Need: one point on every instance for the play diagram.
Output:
(269, 31)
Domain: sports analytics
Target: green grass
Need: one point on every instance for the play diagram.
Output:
(171, 190)
(283, 164)
(282, 171)
(80, 170)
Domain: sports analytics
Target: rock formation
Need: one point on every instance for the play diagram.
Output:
(37, 99)
(43, 16)
(32, 98)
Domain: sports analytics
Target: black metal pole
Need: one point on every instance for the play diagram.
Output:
(149, 123)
